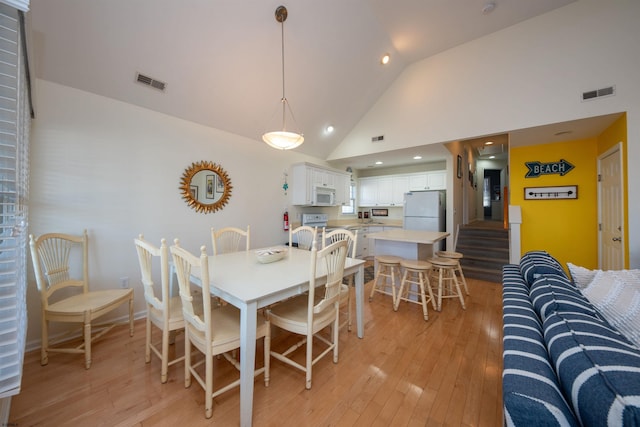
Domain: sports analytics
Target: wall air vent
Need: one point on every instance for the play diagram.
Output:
(598, 93)
(378, 138)
(149, 81)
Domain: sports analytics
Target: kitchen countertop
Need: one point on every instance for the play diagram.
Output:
(410, 236)
(357, 224)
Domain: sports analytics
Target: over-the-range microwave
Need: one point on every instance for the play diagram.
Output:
(324, 196)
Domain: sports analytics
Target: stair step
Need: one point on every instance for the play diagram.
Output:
(483, 252)
(485, 249)
(484, 263)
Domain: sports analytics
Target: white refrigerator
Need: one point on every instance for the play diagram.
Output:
(425, 210)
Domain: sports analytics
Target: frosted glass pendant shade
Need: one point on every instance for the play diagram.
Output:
(283, 140)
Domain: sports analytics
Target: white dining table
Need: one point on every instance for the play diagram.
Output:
(241, 280)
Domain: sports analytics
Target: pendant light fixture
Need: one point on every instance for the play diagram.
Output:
(283, 139)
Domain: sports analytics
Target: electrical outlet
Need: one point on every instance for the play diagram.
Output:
(124, 282)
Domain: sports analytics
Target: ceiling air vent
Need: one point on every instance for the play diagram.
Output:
(598, 93)
(378, 138)
(149, 81)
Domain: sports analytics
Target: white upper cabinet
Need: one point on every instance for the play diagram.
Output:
(389, 190)
(432, 180)
(368, 191)
(306, 177)
(400, 186)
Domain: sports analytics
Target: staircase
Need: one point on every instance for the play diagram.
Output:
(485, 246)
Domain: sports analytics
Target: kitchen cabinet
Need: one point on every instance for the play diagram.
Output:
(431, 180)
(368, 245)
(305, 177)
(368, 191)
(389, 190)
(381, 191)
(399, 187)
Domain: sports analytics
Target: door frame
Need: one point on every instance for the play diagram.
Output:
(617, 151)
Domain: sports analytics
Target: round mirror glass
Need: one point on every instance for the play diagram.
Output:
(205, 186)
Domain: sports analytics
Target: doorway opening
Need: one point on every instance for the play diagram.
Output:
(492, 195)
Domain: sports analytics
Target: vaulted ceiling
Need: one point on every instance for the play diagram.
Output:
(221, 59)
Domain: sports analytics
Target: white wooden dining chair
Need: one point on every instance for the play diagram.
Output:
(307, 315)
(229, 239)
(304, 236)
(346, 290)
(53, 256)
(163, 310)
(214, 332)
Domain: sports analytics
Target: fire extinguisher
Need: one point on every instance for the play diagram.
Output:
(286, 221)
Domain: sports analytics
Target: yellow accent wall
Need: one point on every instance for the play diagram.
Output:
(616, 133)
(567, 229)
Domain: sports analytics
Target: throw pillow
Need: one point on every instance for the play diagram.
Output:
(616, 294)
(581, 276)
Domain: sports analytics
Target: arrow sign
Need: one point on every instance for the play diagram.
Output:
(536, 168)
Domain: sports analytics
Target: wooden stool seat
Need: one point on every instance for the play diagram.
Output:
(449, 254)
(388, 267)
(456, 256)
(415, 273)
(445, 267)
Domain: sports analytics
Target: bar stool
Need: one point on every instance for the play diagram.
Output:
(415, 273)
(457, 256)
(388, 267)
(445, 268)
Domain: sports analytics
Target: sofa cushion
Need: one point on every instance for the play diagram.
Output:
(534, 264)
(530, 390)
(598, 369)
(556, 293)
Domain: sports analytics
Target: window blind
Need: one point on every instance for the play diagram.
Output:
(14, 157)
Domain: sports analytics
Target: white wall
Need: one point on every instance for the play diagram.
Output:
(115, 169)
(527, 75)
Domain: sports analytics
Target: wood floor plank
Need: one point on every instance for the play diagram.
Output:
(405, 372)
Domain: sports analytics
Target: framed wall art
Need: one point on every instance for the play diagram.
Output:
(551, 193)
(211, 183)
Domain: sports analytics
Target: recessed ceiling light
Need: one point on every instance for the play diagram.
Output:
(417, 157)
(488, 143)
(492, 157)
(378, 162)
(329, 129)
(385, 59)
(488, 8)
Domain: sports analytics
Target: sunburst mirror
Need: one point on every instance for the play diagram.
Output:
(205, 186)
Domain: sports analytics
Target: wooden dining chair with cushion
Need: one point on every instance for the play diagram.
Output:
(214, 332)
(54, 256)
(303, 236)
(308, 315)
(229, 239)
(351, 237)
(163, 310)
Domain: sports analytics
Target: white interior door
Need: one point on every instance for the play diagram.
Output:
(610, 210)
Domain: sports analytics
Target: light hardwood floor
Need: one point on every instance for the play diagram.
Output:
(405, 372)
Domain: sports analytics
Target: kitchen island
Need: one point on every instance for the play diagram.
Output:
(408, 244)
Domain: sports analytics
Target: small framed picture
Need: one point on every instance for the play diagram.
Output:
(211, 182)
(459, 169)
(194, 191)
(219, 185)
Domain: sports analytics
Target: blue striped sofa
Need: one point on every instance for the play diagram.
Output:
(563, 363)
